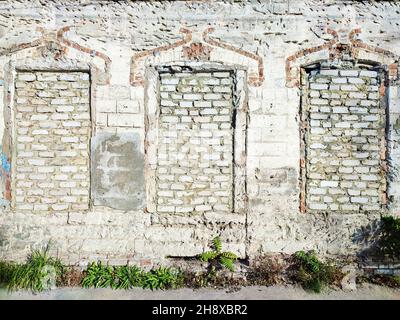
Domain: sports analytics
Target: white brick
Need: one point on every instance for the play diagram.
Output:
(65, 109)
(169, 80)
(40, 132)
(367, 73)
(202, 208)
(349, 73)
(329, 72)
(106, 106)
(318, 86)
(60, 101)
(26, 77)
(36, 162)
(71, 124)
(125, 120)
(128, 106)
(189, 96)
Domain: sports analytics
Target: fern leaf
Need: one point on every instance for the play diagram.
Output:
(229, 255)
(227, 263)
(217, 244)
(207, 256)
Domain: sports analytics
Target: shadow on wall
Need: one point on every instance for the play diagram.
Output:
(367, 237)
(381, 240)
(4, 179)
(3, 237)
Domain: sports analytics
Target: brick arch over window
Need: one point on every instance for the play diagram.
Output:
(205, 49)
(51, 60)
(51, 51)
(342, 43)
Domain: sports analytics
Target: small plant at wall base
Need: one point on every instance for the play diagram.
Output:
(127, 277)
(163, 278)
(389, 281)
(98, 275)
(39, 273)
(313, 274)
(218, 258)
(389, 240)
(267, 271)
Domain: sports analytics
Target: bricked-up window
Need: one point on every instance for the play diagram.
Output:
(344, 141)
(195, 150)
(52, 129)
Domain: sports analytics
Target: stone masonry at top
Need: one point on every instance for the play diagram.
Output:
(346, 127)
(196, 146)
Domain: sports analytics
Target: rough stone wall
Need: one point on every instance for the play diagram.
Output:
(52, 123)
(271, 42)
(344, 139)
(195, 152)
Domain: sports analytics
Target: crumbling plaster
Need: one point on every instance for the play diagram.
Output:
(270, 40)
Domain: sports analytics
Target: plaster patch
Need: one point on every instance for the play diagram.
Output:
(117, 171)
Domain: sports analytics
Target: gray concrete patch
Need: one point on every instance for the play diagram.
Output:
(364, 292)
(117, 171)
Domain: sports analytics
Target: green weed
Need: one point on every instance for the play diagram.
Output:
(389, 240)
(313, 274)
(219, 258)
(39, 273)
(98, 275)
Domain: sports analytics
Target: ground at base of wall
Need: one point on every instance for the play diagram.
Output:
(281, 292)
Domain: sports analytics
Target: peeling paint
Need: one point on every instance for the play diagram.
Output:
(5, 165)
(4, 179)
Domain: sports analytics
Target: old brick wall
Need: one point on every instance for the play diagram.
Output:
(195, 171)
(52, 123)
(262, 134)
(346, 128)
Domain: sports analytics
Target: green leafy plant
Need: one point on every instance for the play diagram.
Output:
(39, 273)
(98, 275)
(396, 279)
(217, 257)
(162, 278)
(312, 273)
(127, 277)
(389, 240)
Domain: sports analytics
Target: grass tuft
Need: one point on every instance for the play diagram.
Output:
(39, 273)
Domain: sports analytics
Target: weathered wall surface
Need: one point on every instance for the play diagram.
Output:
(117, 171)
(273, 43)
(345, 141)
(196, 148)
(52, 130)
